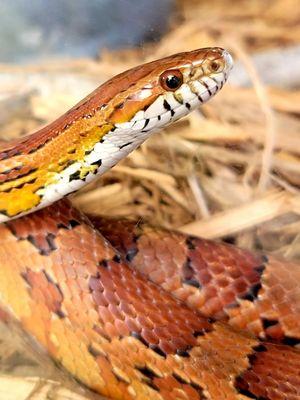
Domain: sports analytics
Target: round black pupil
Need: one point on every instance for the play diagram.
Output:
(173, 81)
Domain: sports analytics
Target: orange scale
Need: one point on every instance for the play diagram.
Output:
(80, 256)
(105, 315)
(204, 277)
(210, 257)
(144, 321)
(38, 295)
(289, 320)
(182, 293)
(212, 306)
(95, 284)
(148, 250)
(122, 328)
(227, 296)
(217, 269)
(199, 263)
(112, 297)
(70, 269)
(83, 284)
(294, 380)
(210, 290)
(132, 325)
(157, 276)
(74, 288)
(158, 319)
(292, 285)
(69, 243)
(181, 343)
(116, 312)
(162, 332)
(234, 272)
(222, 282)
(240, 285)
(254, 326)
(100, 299)
(127, 309)
(109, 280)
(171, 285)
(150, 336)
(111, 330)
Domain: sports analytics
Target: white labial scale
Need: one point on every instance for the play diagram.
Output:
(125, 125)
(139, 125)
(219, 78)
(210, 83)
(138, 116)
(201, 91)
(172, 101)
(181, 110)
(194, 102)
(156, 108)
(152, 123)
(213, 87)
(185, 92)
(165, 118)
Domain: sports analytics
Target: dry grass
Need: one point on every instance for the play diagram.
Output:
(229, 170)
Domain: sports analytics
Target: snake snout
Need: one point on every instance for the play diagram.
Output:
(228, 60)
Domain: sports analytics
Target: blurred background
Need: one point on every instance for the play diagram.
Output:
(230, 170)
(76, 28)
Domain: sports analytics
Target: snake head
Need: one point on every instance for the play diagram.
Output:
(167, 89)
(149, 97)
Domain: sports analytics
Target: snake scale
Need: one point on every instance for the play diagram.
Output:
(160, 315)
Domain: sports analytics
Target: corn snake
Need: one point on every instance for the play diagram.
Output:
(118, 333)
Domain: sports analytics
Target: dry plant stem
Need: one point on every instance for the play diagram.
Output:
(199, 196)
(270, 137)
(269, 206)
(35, 388)
(165, 182)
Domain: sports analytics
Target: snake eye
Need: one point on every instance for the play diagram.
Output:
(216, 66)
(171, 79)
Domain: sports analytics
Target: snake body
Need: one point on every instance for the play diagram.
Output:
(256, 292)
(116, 331)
